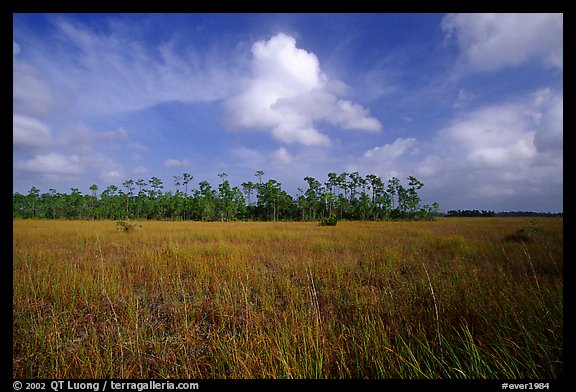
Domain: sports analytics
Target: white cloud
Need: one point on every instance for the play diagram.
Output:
(288, 94)
(353, 116)
(139, 170)
(390, 152)
(494, 41)
(515, 135)
(53, 163)
(31, 94)
(282, 156)
(111, 176)
(80, 136)
(279, 56)
(291, 132)
(29, 132)
(503, 154)
(112, 70)
(498, 136)
(387, 161)
(55, 154)
(176, 163)
(31, 100)
(549, 111)
(429, 167)
(506, 154)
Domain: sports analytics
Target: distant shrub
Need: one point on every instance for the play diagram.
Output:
(329, 221)
(519, 237)
(125, 226)
(525, 234)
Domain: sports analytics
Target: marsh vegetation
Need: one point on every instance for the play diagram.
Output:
(453, 298)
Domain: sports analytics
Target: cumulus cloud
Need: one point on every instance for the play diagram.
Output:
(494, 41)
(388, 160)
(32, 101)
(111, 176)
(29, 132)
(31, 94)
(139, 170)
(507, 154)
(53, 163)
(81, 137)
(54, 155)
(506, 150)
(549, 117)
(282, 156)
(390, 151)
(176, 163)
(510, 135)
(288, 94)
(498, 136)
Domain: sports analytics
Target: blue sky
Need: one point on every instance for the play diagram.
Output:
(470, 104)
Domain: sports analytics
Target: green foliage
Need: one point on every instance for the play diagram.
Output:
(344, 196)
(525, 234)
(329, 221)
(535, 228)
(125, 226)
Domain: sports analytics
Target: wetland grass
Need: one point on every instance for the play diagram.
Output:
(454, 298)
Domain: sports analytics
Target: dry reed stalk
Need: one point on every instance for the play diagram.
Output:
(314, 297)
(245, 290)
(119, 333)
(435, 308)
(531, 265)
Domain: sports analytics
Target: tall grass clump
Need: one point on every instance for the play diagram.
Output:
(452, 298)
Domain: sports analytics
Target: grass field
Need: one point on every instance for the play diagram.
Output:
(453, 298)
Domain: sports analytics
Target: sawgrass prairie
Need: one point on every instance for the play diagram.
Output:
(451, 298)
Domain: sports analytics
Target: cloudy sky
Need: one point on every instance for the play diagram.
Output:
(470, 104)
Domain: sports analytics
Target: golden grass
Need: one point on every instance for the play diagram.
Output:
(450, 298)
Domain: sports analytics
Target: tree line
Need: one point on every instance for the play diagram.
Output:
(485, 213)
(342, 196)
